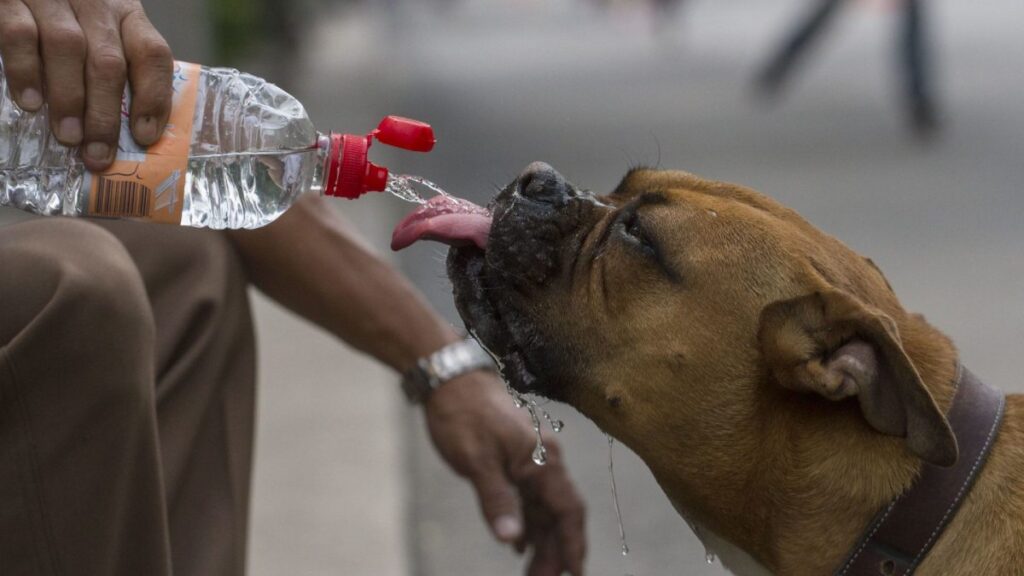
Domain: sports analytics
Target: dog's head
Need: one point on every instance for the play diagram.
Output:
(687, 317)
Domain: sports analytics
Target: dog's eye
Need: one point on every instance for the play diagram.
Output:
(633, 231)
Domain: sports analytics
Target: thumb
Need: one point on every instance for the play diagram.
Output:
(499, 503)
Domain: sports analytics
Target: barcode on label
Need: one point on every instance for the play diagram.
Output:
(122, 198)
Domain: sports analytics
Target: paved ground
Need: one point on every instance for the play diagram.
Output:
(345, 482)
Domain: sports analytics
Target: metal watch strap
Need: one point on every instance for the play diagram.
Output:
(447, 363)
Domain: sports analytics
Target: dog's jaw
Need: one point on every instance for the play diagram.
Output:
(496, 289)
(482, 316)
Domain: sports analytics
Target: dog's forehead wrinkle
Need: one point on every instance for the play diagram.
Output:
(684, 184)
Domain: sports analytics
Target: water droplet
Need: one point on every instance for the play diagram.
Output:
(540, 455)
(615, 494)
(497, 361)
(696, 529)
(556, 425)
(710, 557)
(713, 213)
(517, 399)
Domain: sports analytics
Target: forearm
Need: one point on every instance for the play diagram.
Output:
(314, 264)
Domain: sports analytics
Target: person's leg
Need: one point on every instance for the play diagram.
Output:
(915, 66)
(81, 488)
(780, 67)
(205, 389)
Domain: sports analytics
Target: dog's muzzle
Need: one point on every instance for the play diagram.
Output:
(537, 222)
(502, 258)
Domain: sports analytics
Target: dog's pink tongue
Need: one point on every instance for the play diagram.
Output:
(454, 221)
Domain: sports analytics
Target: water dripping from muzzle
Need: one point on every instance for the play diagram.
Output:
(556, 425)
(540, 453)
(709, 555)
(615, 494)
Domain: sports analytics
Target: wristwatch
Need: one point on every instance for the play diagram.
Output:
(453, 360)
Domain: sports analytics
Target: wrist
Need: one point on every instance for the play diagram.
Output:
(412, 341)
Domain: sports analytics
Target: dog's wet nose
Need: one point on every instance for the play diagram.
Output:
(539, 181)
(533, 218)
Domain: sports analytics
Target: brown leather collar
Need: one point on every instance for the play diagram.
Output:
(904, 531)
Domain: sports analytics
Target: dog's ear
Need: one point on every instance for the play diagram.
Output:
(831, 344)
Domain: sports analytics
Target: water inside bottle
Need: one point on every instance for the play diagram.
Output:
(404, 186)
(245, 189)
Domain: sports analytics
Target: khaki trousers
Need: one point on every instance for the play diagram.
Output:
(126, 400)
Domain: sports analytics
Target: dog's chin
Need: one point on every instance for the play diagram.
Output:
(498, 330)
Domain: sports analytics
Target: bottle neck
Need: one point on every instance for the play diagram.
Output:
(346, 170)
(323, 160)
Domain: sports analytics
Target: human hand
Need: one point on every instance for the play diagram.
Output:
(78, 54)
(490, 442)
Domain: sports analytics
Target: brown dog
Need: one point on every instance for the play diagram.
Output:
(765, 372)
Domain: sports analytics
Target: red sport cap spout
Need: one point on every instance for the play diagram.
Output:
(405, 133)
(350, 174)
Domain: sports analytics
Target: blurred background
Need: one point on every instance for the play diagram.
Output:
(899, 129)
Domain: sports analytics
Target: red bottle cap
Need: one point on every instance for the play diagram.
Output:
(350, 174)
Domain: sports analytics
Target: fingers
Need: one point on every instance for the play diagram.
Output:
(77, 59)
(571, 534)
(105, 75)
(546, 560)
(150, 70)
(499, 502)
(551, 488)
(62, 45)
(19, 48)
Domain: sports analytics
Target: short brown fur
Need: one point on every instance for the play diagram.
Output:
(719, 399)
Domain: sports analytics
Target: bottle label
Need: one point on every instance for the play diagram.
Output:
(150, 183)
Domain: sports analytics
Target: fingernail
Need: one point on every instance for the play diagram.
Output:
(145, 130)
(31, 99)
(70, 130)
(98, 151)
(507, 528)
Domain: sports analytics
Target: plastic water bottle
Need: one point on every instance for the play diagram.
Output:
(236, 153)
